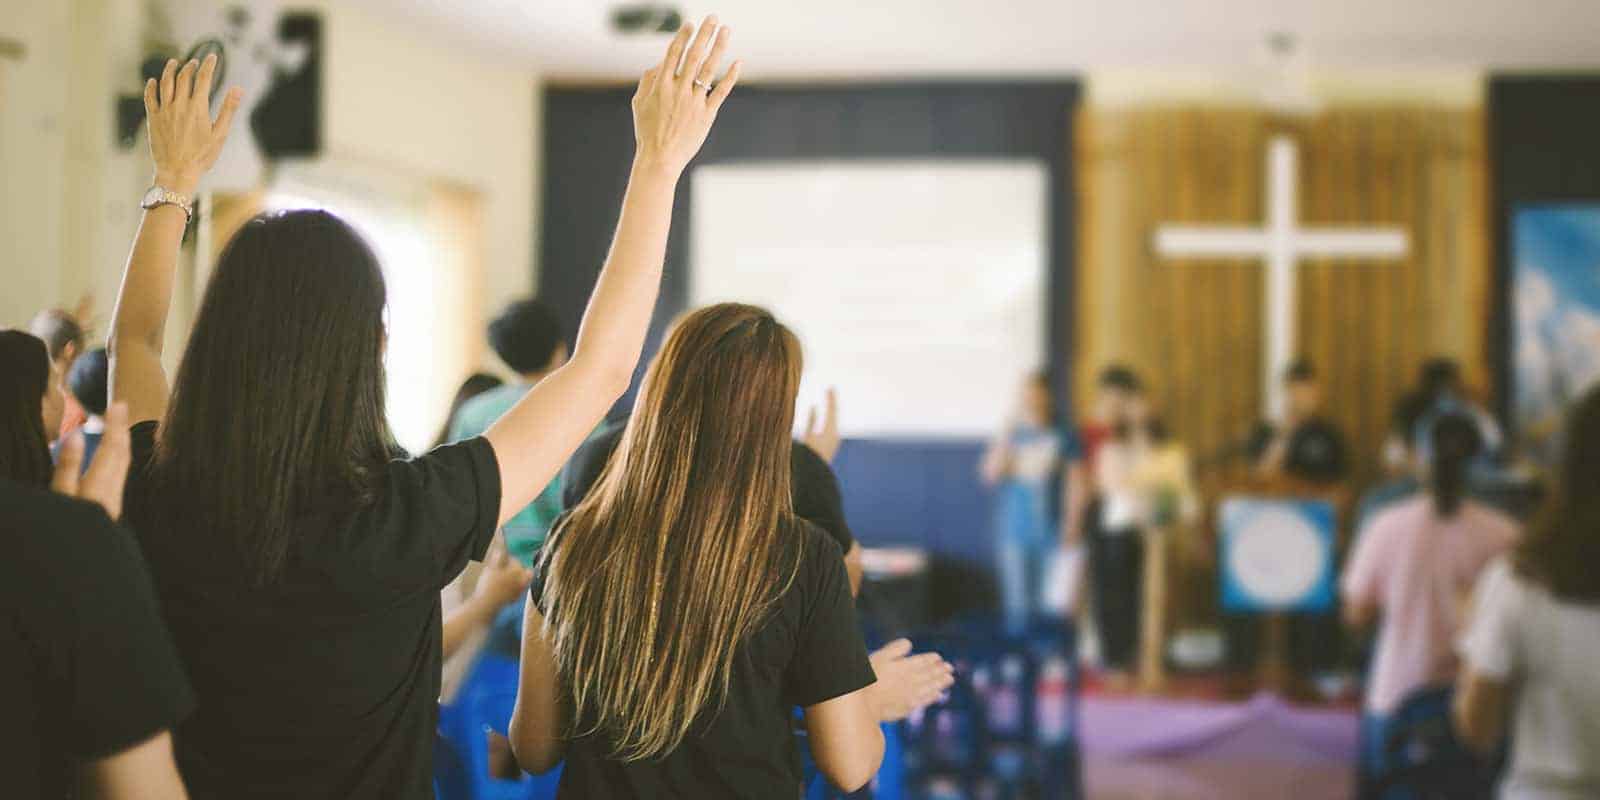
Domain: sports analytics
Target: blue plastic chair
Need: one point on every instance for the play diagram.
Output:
(1424, 759)
(483, 703)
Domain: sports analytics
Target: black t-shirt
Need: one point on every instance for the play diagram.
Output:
(1317, 452)
(324, 684)
(808, 651)
(87, 669)
(812, 483)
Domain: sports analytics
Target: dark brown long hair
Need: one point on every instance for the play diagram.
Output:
(678, 553)
(24, 377)
(277, 412)
(1562, 553)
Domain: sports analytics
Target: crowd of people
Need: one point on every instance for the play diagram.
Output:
(233, 583)
(246, 597)
(1462, 599)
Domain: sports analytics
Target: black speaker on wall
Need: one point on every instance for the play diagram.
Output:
(287, 123)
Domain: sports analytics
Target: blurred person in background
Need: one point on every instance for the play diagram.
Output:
(474, 385)
(1305, 446)
(64, 335)
(31, 404)
(1411, 570)
(1533, 637)
(1026, 465)
(526, 336)
(86, 383)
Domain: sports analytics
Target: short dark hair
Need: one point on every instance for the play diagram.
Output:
(1438, 374)
(1121, 378)
(57, 329)
(87, 380)
(1300, 371)
(526, 335)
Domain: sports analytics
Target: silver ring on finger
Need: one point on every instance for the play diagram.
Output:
(701, 85)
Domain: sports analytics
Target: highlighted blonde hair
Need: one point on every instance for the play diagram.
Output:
(678, 554)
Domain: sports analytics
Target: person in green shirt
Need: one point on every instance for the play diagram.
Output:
(527, 336)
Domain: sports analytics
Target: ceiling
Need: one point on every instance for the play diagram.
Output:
(848, 39)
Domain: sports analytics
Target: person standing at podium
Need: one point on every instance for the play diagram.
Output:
(1305, 446)
(1305, 453)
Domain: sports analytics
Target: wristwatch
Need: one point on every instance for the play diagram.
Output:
(161, 196)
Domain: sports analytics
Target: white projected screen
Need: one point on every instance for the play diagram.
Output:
(917, 288)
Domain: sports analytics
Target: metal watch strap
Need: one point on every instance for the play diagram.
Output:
(170, 198)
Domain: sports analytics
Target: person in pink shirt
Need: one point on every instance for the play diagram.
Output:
(1412, 568)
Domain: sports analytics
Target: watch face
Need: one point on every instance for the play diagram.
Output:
(152, 197)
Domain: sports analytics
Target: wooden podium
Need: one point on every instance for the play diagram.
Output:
(1152, 672)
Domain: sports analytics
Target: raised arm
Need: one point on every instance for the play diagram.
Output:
(184, 143)
(672, 113)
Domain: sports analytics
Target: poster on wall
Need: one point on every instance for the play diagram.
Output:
(1277, 554)
(1556, 312)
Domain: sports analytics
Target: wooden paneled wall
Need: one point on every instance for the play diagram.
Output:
(1194, 328)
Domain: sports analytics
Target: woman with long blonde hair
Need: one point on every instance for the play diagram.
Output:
(682, 610)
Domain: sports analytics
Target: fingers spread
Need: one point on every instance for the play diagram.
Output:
(702, 46)
(230, 104)
(674, 56)
(68, 462)
(168, 80)
(202, 82)
(725, 87)
(185, 87)
(647, 82)
(708, 69)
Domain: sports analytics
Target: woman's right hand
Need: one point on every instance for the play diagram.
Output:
(184, 141)
(673, 109)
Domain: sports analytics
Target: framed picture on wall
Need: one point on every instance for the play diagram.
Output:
(1555, 304)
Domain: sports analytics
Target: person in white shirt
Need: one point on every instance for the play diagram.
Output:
(1532, 648)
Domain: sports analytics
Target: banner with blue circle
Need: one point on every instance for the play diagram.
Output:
(1277, 554)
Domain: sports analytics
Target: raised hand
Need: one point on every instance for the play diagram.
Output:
(678, 99)
(108, 472)
(823, 437)
(907, 682)
(184, 140)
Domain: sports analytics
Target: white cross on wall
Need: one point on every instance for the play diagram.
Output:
(1281, 242)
